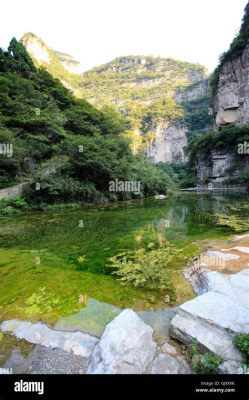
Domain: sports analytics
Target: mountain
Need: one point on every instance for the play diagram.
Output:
(60, 65)
(162, 100)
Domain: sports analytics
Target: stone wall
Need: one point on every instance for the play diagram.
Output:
(12, 192)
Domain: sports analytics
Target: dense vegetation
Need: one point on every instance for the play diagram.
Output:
(207, 363)
(236, 48)
(241, 341)
(69, 148)
(227, 138)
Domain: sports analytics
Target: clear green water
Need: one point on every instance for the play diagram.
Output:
(41, 253)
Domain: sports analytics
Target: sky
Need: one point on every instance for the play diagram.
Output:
(97, 31)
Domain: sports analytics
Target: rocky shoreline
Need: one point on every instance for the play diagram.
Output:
(130, 345)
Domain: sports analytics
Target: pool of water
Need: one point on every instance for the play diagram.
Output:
(57, 256)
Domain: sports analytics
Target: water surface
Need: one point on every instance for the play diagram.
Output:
(57, 256)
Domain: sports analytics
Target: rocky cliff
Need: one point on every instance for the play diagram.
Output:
(230, 106)
(42, 54)
(221, 166)
(231, 99)
(156, 96)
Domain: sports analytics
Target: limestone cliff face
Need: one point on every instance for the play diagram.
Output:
(170, 140)
(36, 48)
(169, 143)
(231, 100)
(220, 166)
(230, 105)
(50, 58)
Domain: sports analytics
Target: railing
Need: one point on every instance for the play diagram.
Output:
(211, 187)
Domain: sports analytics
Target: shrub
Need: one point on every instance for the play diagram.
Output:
(241, 341)
(193, 349)
(13, 206)
(146, 268)
(206, 363)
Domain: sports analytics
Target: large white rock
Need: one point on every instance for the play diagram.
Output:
(79, 343)
(239, 237)
(222, 256)
(242, 249)
(166, 364)
(5, 371)
(211, 319)
(168, 348)
(126, 346)
(215, 316)
(232, 367)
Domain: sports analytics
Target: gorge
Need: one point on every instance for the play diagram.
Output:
(105, 265)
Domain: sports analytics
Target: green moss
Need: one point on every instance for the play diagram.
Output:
(47, 292)
(237, 223)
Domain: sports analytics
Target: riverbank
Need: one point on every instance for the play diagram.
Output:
(149, 349)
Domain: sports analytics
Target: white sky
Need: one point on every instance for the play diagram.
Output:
(96, 31)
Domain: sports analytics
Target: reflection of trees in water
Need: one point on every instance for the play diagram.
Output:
(196, 213)
(174, 218)
(182, 216)
(215, 204)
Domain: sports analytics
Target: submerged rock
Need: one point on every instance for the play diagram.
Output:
(17, 362)
(92, 319)
(126, 346)
(160, 321)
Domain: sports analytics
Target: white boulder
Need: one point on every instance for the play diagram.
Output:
(79, 343)
(126, 347)
(215, 316)
(166, 364)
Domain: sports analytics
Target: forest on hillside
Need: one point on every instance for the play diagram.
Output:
(66, 145)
